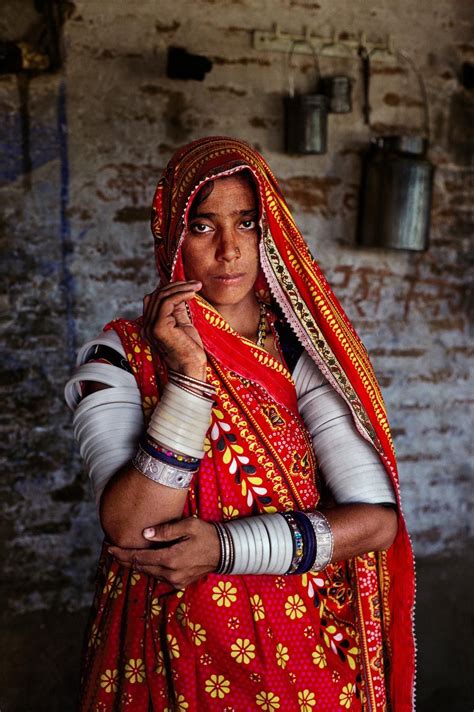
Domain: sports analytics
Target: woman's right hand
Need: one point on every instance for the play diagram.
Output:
(168, 328)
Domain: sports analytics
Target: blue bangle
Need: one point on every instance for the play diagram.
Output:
(298, 543)
(309, 539)
(169, 460)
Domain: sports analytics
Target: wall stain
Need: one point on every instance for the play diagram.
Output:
(310, 193)
(163, 28)
(131, 214)
(228, 89)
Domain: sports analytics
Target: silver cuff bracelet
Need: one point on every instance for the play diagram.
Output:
(161, 472)
(324, 540)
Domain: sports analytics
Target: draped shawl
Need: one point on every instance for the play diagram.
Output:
(258, 460)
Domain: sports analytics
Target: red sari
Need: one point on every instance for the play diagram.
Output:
(315, 642)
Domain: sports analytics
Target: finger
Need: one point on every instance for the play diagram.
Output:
(161, 312)
(169, 531)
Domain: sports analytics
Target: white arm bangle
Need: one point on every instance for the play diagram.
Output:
(348, 463)
(186, 436)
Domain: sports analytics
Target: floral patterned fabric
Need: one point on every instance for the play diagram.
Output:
(341, 639)
(228, 642)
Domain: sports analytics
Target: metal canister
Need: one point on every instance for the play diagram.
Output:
(396, 192)
(306, 123)
(338, 90)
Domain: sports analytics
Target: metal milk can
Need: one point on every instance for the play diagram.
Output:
(396, 189)
(306, 115)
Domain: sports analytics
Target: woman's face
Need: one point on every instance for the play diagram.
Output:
(220, 248)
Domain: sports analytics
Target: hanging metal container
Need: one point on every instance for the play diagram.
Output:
(396, 187)
(305, 114)
(338, 90)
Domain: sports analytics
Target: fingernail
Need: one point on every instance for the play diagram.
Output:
(149, 533)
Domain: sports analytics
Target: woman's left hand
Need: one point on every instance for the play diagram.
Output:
(189, 550)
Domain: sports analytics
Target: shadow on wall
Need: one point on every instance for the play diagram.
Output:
(41, 651)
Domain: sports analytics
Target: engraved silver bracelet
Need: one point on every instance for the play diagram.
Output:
(324, 540)
(161, 472)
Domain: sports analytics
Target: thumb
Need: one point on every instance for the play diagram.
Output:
(162, 532)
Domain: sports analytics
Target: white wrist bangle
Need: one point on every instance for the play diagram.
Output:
(262, 545)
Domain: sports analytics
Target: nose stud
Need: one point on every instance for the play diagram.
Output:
(237, 251)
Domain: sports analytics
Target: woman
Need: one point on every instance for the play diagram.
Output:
(209, 597)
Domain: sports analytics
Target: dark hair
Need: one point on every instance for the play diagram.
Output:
(204, 192)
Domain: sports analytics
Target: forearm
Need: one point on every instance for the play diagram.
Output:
(359, 528)
(296, 542)
(131, 502)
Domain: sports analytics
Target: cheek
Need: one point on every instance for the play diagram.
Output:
(192, 261)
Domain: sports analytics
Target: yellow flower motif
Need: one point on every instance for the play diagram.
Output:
(205, 659)
(243, 650)
(113, 585)
(268, 701)
(95, 637)
(149, 404)
(306, 700)
(135, 578)
(309, 632)
(182, 614)
(345, 698)
(198, 634)
(173, 647)
(217, 686)
(160, 663)
(230, 512)
(280, 582)
(135, 670)
(295, 607)
(225, 594)
(282, 655)
(109, 680)
(155, 607)
(319, 657)
(182, 704)
(257, 608)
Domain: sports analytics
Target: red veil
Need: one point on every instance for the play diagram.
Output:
(259, 459)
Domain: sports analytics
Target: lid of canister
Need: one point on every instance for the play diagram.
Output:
(411, 144)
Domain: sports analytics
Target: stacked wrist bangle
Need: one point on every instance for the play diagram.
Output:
(287, 543)
(171, 450)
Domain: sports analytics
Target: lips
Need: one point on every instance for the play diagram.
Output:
(229, 278)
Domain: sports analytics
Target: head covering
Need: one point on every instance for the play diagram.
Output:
(300, 289)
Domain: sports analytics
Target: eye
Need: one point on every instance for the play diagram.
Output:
(199, 228)
(248, 224)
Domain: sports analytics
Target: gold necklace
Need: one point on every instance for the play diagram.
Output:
(262, 326)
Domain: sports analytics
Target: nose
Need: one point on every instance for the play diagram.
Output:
(227, 248)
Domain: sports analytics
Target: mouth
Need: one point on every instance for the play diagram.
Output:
(229, 278)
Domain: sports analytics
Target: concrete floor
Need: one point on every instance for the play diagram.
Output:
(40, 652)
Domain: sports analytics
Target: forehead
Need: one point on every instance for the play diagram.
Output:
(229, 191)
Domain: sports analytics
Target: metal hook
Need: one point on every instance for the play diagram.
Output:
(294, 42)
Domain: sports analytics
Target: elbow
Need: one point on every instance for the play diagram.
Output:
(120, 531)
(388, 528)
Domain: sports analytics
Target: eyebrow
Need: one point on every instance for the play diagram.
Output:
(250, 211)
